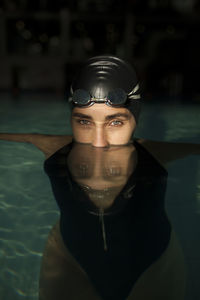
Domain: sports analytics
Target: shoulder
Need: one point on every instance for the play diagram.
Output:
(154, 148)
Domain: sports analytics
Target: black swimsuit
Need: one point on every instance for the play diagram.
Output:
(136, 235)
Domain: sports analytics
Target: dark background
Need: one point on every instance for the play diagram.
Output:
(42, 43)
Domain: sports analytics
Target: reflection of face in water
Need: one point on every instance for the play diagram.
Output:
(133, 231)
(102, 172)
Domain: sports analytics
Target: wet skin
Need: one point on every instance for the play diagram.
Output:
(101, 125)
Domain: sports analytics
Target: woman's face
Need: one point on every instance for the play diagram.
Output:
(101, 125)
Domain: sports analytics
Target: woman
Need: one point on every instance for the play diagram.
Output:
(105, 102)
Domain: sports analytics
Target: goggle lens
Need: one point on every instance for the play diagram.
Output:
(115, 97)
(81, 97)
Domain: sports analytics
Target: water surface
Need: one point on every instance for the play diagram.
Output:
(27, 206)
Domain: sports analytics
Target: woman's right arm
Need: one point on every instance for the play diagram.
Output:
(16, 137)
(48, 144)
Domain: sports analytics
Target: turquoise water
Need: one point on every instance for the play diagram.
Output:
(28, 209)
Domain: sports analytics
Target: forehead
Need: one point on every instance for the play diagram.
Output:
(101, 110)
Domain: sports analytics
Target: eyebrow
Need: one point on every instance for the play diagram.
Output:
(107, 118)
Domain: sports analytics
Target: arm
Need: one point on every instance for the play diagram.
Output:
(166, 152)
(48, 144)
(16, 137)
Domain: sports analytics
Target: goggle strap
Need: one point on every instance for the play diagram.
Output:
(133, 95)
(136, 88)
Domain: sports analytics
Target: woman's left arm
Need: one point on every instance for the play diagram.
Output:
(166, 152)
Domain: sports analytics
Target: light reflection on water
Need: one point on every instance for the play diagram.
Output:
(26, 216)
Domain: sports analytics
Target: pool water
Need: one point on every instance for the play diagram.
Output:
(28, 209)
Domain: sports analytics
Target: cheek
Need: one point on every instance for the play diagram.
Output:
(124, 133)
(120, 136)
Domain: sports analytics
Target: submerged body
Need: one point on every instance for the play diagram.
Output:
(138, 233)
(62, 277)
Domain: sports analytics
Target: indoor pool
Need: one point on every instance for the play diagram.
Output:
(28, 209)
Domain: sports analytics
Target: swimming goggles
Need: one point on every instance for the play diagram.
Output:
(116, 97)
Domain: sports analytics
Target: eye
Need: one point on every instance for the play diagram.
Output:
(83, 122)
(116, 123)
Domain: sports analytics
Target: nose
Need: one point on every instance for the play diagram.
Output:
(99, 138)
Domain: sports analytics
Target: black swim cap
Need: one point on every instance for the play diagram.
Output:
(107, 79)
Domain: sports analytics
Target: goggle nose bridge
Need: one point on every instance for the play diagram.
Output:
(115, 97)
